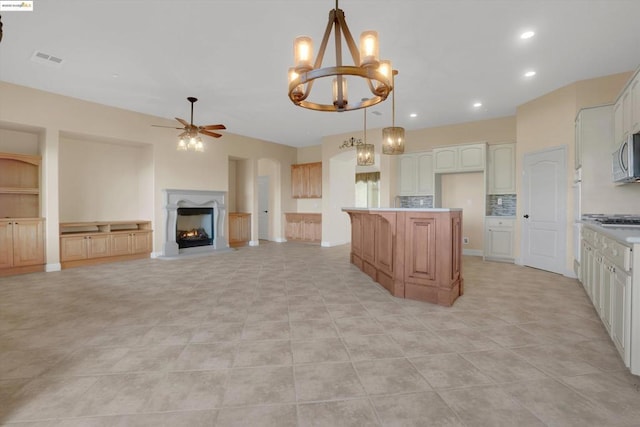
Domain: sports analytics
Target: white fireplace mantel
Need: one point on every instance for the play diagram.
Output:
(175, 199)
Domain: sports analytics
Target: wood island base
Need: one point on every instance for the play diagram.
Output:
(414, 254)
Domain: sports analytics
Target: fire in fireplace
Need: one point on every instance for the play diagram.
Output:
(194, 227)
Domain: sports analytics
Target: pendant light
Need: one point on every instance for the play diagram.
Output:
(393, 137)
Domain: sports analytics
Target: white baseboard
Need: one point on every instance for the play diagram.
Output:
(327, 244)
(472, 252)
(254, 242)
(279, 240)
(54, 266)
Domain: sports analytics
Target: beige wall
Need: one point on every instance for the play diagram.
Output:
(466, 191)
(20, 142)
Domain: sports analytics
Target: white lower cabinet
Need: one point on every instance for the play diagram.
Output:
(498, 239)
(606, 273)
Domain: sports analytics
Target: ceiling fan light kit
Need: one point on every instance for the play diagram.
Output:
(189, 139)
(367, 65)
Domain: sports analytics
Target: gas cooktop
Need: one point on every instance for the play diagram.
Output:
(618, 221)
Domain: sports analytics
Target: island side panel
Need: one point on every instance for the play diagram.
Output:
(385, 232)
(421, 244)
(356, 239)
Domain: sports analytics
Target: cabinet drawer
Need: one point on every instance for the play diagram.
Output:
(588, 235)
(618, 253)
(499, 222)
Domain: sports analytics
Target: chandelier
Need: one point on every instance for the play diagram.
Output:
(190, 141)
(365, 153)
(367, 66)
(393, 137)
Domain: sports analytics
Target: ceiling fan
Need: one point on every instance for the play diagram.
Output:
(191, 131)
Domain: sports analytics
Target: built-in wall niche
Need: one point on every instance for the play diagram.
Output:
(194, 227)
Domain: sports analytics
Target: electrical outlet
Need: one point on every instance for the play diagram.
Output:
(499, 201)
(421, 202)
(465, 240)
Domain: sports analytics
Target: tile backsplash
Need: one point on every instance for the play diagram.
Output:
(414, 202)
(507, 208)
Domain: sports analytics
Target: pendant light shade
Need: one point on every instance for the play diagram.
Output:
(393, 137)
(365, 152)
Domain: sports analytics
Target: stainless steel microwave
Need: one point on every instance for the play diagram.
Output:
(626, 160)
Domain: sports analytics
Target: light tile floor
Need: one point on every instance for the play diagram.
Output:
(293, 335)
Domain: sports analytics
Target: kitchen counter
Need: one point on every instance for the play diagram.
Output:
(404, 209)
(413, 253)
(626, 235)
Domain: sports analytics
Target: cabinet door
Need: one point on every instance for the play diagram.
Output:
(98, 246)
(502, 169)
(607, 276)
(315, 180)
(621, 313)
(407, 175)
(73, 248)
(420, 250)
(424, 174)
(140, 242)
(617, 124)
(626, 113)
(471, 157)
(6, 244)
(298, 181)
(499, 242)
(120, 244)
(635, 104)
(28, 243)
(597, 281)
(445, 159)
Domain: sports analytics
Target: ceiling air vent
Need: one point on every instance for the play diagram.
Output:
(45, 58)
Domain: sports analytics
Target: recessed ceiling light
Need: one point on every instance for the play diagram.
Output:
(477, 104)
(413, 115)
(527, 35)
(530, 73)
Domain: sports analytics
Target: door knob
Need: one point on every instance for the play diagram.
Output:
(526, 215)
(265, 211)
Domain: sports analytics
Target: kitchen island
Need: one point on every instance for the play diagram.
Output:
(413, 253)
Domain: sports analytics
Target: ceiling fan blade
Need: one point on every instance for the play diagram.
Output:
(213, 127)
(213, 134)
(184, 122)
(168, 127)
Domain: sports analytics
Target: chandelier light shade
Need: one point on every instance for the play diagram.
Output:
(393, 137)
(189, 142)
(365, 153)
(366, 65)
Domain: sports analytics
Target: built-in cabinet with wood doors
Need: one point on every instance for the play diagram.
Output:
(303, 227)
(96, 242)
(239, 228)
(501, 167)
(460, 158)
(306, 180)
(21, 228)
(415, 174)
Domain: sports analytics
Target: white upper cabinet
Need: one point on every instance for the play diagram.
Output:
(502, 169)
(459, 158)
(627, 111)
(415, 174)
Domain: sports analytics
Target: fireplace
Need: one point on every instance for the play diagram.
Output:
(194, 222)
(194, 227)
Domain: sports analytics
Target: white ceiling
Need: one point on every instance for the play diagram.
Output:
(149, 55)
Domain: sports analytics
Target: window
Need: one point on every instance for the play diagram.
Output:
(367, 190)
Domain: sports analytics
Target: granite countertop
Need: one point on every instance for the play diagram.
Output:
(405, 209)
(628, 235)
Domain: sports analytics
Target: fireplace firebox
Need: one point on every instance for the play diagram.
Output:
(194, 227)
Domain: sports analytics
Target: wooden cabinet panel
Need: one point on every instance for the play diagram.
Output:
(120, 244)
(73, 248)
(617, 125)
(239, 228)
(306, 227)
(28, 243)
(87, 243)
(6, 244)
(306, 180)
(499, 239)
(19, 186)
(621, 314)
(413, 254)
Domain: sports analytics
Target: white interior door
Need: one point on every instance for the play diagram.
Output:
(544, 206)
(263, 207)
